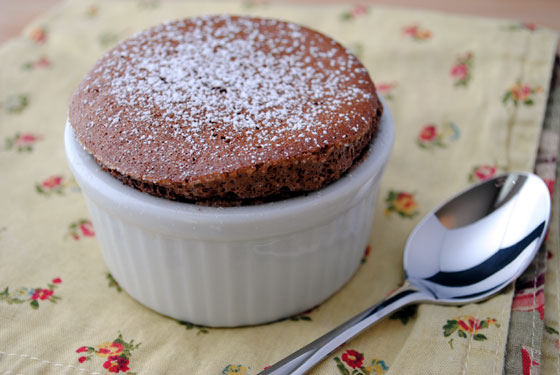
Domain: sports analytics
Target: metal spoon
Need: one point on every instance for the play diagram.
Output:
(464, 251)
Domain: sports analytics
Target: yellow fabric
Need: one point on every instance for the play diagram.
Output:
(449, 121)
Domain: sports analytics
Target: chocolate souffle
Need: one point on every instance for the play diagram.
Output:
(226, 110)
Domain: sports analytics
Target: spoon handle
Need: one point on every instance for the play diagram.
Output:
(310, 355)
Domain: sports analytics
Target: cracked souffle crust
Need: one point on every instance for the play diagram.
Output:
(226, 110)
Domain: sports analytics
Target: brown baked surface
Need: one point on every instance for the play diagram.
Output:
(226, 110)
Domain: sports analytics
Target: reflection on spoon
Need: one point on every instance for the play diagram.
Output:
(464, 251)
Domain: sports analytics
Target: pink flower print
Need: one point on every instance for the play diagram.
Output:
(27, 139)
(416, 32)
(52, 182)
(116, 354)
(482, 172)
(108, 349)
(22, 142)
(353, 358)
(432, 136)
(528, 26)
(42, 62)
(116, 364)
(402, 203)
(428, 133)
(410, 30)
(354, 362)
(39, 35)
(81, 228)
(87, 229)
(31, 295)
(42, 294)
(521, 93)
(55, 184)
(485, 172)
(461, 70)
(467, 325)
(357, 11)
(386, 89)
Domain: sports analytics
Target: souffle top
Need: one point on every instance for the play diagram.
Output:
(226, 110)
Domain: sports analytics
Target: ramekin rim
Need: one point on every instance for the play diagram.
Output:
(174, 212)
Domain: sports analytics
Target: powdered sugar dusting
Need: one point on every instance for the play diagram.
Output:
(214, 94)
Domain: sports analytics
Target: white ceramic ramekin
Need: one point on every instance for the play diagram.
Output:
(238, 265)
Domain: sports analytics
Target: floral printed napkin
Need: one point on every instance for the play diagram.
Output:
(468, 96)
(527, 326)
(550, 346)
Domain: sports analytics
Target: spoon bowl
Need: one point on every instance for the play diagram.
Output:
(480, 240)
(464, 251)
